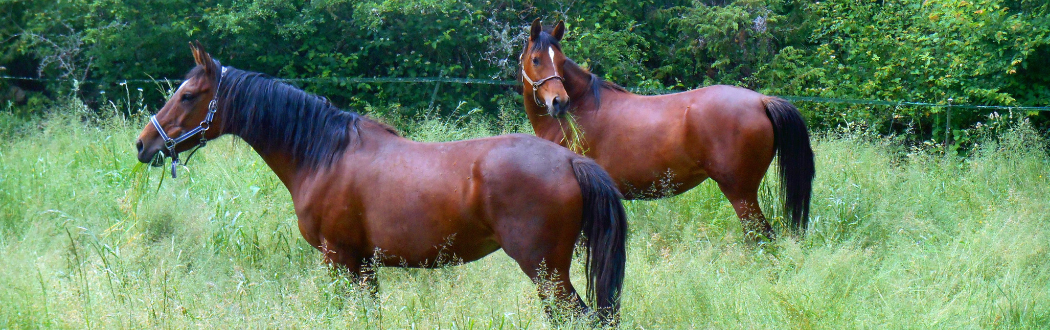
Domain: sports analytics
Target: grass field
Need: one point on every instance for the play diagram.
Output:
(901, 237)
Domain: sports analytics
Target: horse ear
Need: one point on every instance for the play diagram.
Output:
(203, 58)
(196, 53)
(559, 31)
(536, 29)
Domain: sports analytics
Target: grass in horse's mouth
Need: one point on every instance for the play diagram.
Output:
(158, 159)
(572, 133)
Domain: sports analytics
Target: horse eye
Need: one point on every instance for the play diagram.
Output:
(535, 61)
(187, 96)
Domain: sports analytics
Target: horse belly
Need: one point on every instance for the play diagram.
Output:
(669, 182)
(430, 241)
(652, 159)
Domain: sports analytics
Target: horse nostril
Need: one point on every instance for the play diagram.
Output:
(138, 144)
(560, 104)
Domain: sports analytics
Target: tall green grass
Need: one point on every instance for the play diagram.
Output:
(901, 237)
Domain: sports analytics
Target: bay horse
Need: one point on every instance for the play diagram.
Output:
(664, 145)
(366, 197)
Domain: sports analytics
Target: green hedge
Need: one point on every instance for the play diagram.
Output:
(988, 52)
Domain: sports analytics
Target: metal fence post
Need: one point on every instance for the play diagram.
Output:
(948, 125)
(434, 95)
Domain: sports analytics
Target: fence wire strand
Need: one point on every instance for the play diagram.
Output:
(477, 81)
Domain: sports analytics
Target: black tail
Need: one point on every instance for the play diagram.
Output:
(605, 227)
(794, 161)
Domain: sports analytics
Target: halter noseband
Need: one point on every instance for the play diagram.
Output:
(170, 143)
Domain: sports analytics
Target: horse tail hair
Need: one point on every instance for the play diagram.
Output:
(794, 159)
(605, 227)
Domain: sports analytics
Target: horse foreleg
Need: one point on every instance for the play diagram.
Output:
(367, 280)
(361, 271)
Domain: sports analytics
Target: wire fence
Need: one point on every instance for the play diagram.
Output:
(355, 80)
(476, 81)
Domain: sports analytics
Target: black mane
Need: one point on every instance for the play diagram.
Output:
(273, 116)
(598, 85)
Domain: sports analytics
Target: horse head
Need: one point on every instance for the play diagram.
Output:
(542, 67)
(189, 113)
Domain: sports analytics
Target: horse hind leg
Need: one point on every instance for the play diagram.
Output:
(561, 301)
(739, 173)
(547, 265)
(744, 198)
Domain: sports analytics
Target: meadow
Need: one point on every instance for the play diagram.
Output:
(902, 236)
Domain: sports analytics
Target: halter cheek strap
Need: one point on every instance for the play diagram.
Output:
(170, 143)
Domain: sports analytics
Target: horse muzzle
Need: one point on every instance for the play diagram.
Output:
(558, 107)
(153, 155)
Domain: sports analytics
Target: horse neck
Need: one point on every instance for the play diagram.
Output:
(291, 172)
(284, 165)
(578, 86)
(543, 124)
(257, 128)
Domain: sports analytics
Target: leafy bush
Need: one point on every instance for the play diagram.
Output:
(991, 52)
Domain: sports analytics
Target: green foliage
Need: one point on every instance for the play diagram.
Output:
(927, 51)
(989, 52)
(725, 44)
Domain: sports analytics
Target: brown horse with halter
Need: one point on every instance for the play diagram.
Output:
(367, 197)
(654, 146)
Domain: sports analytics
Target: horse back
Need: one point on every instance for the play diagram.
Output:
(642, 140)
